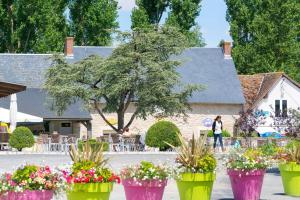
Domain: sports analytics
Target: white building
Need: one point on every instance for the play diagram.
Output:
(272, 94)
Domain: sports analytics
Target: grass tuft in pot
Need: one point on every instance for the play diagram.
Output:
(196, 168)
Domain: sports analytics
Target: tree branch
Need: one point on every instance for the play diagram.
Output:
(131, 119)
(130, 96)
(102, 115)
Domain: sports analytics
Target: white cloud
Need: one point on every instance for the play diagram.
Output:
(126, 5)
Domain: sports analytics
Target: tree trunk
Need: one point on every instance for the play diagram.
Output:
(121, 122)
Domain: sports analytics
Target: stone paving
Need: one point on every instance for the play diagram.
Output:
(272, 187)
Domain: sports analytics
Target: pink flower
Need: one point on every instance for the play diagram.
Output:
(8, 176)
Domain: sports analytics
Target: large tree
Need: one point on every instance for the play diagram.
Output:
(93, 21)
(32, 26)
(182, 14)
(140, 72)
(150, 11)
(265, 35)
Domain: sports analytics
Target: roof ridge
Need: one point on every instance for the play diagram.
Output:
(263, 79)
(27, 54)
(107, 47)
(266, 73)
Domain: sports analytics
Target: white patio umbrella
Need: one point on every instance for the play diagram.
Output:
(13, 110)
(21, 117)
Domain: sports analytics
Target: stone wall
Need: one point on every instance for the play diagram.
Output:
(192, 124)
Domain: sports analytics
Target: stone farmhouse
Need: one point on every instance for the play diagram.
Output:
(210, 67)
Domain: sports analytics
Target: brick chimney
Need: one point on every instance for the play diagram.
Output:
(69, 43)
(227, 50)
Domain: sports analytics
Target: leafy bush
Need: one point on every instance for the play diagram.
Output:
(162, 132)
(225, 133)
(22, 137)
(269, 149)
(94, 144)
(206, 164)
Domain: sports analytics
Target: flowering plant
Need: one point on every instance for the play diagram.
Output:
(289, 154)
(89, 166)
(249, 159)
(146, 171)
(89, 172)
(31, 177)
(195, 156)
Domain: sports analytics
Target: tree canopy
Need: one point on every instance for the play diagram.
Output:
(265, 35)
(93, 21)
(152, 10)
(139, 72)
(32, 26)
(182, 14)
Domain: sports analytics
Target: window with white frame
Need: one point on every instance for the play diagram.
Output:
(281, 108)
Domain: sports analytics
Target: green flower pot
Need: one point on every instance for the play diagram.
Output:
(90, 191)
(195, 186)
(290, 174)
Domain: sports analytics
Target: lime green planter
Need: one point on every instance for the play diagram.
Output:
(290, 174)
(196, 186)
(90, 191)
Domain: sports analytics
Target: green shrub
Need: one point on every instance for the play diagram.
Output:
(225, 133)
(160, 133)
(94, 144)
(22, 137)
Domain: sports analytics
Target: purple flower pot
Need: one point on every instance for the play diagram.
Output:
(246, 185)
(28, 195)
(144, 190)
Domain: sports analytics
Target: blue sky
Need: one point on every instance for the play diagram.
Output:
(214, 26)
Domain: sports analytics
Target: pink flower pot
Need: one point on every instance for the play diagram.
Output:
(144, 190)
(28, 195)
(246, 185)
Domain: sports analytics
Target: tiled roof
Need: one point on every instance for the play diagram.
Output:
(251, 86)
(257, 86)
(205, 66)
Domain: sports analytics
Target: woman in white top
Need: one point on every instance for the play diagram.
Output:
(217, 129)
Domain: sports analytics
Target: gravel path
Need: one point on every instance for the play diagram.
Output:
(272, 187)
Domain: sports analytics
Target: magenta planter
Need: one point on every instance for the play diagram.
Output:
(144, 190)
(28, 195)
(246, 185)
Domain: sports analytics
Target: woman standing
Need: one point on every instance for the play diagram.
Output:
(217, 129)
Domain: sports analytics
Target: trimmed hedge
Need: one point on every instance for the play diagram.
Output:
(225, 133)
(161, 132)
(22, 137)
(94, 144)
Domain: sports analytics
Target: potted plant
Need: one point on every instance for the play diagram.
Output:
(196, 169)
(89, 178)
(145, 181)
(246, 169)
(30, 182)
(290, 168)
